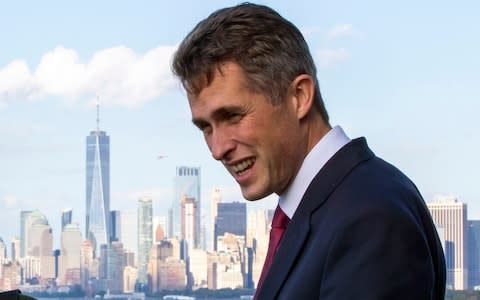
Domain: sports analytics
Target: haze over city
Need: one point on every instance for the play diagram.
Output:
(405, 75)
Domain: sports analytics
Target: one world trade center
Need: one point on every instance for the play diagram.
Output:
(97, 188)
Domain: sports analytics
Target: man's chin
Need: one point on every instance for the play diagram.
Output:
(252, 196)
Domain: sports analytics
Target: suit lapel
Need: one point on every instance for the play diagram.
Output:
(324, 183)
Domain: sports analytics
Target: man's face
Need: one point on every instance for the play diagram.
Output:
(256, 141)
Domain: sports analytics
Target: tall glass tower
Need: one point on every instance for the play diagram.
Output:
(187, 184)
(144, 237)
(66, 217)
(24, 226)
(98, 188)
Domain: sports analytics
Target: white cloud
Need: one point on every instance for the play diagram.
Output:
(16, 82)
(343, 30)
(117, 75)
(329, 57)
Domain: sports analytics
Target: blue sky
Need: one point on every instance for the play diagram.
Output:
(404, 75)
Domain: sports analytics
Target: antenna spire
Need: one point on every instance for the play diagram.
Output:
(98, 115)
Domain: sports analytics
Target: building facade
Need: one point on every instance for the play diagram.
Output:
(189, 222)
(116, 266)
(15, 254)
(3, 250)
(187, 184)
(231, 218)
(474, 254)
(115, 225)
(24, 224)
(129, 231)
(451, 214)
(88, 268)
(66, 217)
(144, 237)
(71, 242)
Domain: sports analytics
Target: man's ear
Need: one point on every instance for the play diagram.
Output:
(303, 90)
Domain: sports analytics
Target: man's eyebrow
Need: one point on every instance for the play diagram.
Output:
(219, 114)
(227, 111)
(200, 123)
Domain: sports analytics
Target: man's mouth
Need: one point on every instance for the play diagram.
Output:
(243, 166)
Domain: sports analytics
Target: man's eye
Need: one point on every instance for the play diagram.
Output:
(234, 117)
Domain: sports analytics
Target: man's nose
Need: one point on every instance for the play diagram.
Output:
(221, 144)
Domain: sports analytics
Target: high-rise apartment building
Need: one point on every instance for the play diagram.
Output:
(28, 219)
(71, 242)
(216, 198)
(144, 237)
(130, 275)
(230, 268)
(87, 265)
(257, 240)
(160, 252)
(97, 188)
(159, 228)
(451, 214)
(115, 225)
(129, 231)
(116, 265)
(15, 254)
(198, 267)
(9, 276)
(474, 254)
(189, 223)
(24, 223)
(103, 264)
(40, 244)
(66, 217)
(231, 218)
(187, 184)
(3, 250)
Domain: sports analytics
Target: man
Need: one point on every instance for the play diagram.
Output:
(357, 227)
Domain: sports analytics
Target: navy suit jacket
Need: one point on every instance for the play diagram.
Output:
(361, 231)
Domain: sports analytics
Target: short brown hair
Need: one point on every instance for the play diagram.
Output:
(271, 51)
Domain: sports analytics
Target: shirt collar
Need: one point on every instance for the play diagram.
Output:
(328, 145)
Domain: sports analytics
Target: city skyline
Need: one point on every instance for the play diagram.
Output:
(404, 78)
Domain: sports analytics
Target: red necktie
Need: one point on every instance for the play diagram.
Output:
(279, 224)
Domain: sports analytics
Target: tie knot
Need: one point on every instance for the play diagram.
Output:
(280, 219)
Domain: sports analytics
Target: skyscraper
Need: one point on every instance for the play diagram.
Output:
(86, 264)
(40, 244)
(129, 231)
(116, 265)
(231, 218)
(189, 222)
(159, 228)
(451, 214)
(98, 188)
(216, 198)
(3, 250)
(115, 225)
(473, 254)
(187, 183)
(15, 249)
(23, 231)
(144, 237)
(27, 219)
(71, 242)
(66, 217)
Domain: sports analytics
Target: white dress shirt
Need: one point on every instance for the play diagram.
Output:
(312, 164)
